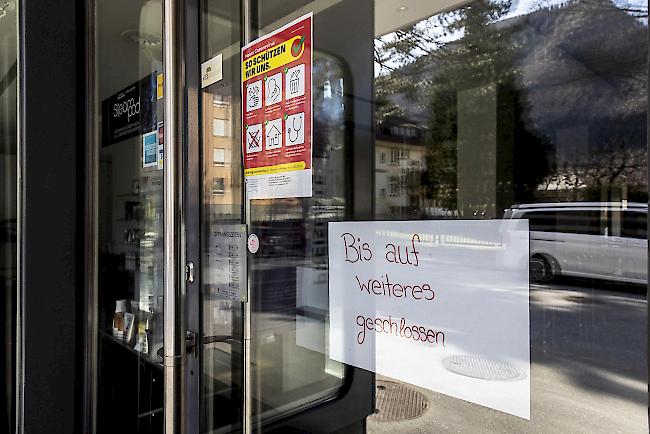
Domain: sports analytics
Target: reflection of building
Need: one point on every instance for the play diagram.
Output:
(222, 177)
(555, 121)
(399, 162)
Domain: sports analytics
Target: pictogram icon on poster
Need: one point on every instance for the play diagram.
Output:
(274, 134)
(295, 82)
(254, 96)
(295, 129)
(254, 138)
(273, 89)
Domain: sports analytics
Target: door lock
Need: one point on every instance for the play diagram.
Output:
(189, 272)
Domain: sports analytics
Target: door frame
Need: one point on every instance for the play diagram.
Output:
(356, 399)
(192, 162)
(51, 214)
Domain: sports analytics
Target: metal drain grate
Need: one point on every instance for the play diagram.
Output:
(483, 368)
(396, 402)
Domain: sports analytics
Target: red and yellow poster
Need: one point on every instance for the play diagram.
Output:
(277, 112)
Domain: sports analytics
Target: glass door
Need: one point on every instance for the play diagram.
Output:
(8, 213)
(263, 311)
(128, 303)
(222, 228)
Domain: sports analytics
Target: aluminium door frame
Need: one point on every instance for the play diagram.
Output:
(192, 205)
(173, 179)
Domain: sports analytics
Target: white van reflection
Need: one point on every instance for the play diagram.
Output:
(600, 240)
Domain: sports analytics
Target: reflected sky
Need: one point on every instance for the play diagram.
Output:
(437, 36)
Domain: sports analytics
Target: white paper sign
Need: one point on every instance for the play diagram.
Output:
(439, 304)
(212, 70)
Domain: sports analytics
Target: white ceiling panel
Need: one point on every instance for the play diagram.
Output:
(391, 15)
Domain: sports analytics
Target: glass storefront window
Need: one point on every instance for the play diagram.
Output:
(454, 110)
(222, 212)
(8, 211)
(530, 110)
(129, 65)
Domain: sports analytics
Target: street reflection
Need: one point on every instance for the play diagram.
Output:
(587, 375)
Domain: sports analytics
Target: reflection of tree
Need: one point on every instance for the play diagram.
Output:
(549, 70)
(411, 183)
(478, 54)
(588, 177)
(439, 178)
(416, 63)
(636, 10)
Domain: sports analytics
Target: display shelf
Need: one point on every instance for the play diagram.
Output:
(152, 358)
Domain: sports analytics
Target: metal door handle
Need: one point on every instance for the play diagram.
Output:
(190, 342)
